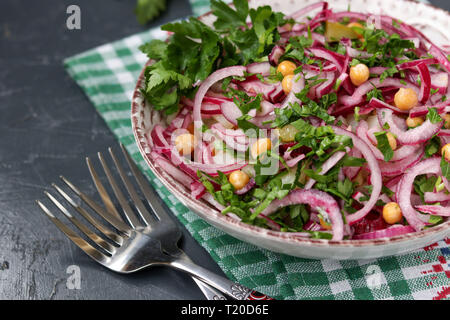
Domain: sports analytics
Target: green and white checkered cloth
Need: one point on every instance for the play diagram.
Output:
(108, 73)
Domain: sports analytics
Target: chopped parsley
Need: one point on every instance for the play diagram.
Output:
(433, 115)
(383, 145)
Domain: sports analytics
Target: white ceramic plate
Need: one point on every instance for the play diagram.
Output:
(433, 22)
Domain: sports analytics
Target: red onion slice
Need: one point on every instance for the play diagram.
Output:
(204, 87)
(413, 136)
(158, 137)
(351, 172)
(231, 112)
(435, 210)
(425, 82)
(420, 111)
(275, 55)
(327, 67)
(277, 94)
(331, 56)
(394, 168)
(358, 96)
(431, 197)
(255, 86)
(207, 154)
(326, 166)
(312, 226)
(192, 167)
(415, 63)
(439, 81)
(266, 108)
(377, 70)
(210, 199)
(375, 175)
(395, 230)
(405, 188)
(270, 223)
(377, 103)
(362, 132)
(340, 81)
(197, 189)
(440, 56)
(298, 83)
(292, 162)
(327, 86)
(300, 13)
(230, 142)
(262, 68)
(246, 188)
(173, 171)
(316, 199)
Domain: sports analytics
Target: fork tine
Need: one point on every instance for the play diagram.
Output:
(128, 212)
(82, 227)
(118, 240)
(132, 192)
(150, 195)
(116, 223)
(80, 242)
(102, 191)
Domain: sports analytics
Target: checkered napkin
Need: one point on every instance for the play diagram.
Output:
(108, 73)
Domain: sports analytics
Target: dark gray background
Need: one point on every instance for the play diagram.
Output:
(47, 127)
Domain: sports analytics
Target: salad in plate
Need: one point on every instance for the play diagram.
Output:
(331, 125)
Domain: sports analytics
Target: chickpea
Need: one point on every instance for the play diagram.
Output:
(414, 122)
(185, 143)
(260, 146)
(392, 213)
(447, 121)
(286, 67)
(392, 141)
(358, 25)
(355, 24)
(287, 133)
(445, 151)
(238, 179)
(287, 83)
(359, 74)
(405, 99)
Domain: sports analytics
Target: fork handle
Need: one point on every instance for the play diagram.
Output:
(234, 290)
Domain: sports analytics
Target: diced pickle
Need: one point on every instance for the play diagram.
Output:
(335, 31)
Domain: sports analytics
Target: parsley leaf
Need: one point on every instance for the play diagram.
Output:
(147, 10)
(155, 49)
(424, 184)
(388, 73)
(445, 168)
(375, 93)
(432, 147)
(383, 145)
(433, 115)
(227, 18)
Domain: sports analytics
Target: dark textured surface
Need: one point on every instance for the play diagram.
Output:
(47, 127)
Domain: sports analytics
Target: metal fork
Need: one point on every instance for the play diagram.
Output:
(142, 241)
